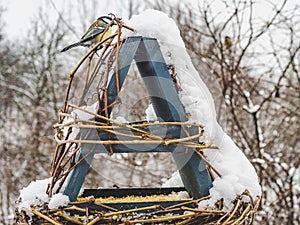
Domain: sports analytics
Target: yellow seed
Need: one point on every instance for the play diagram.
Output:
(115, 217)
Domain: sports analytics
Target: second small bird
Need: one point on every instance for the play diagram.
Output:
(228, 42)
(93, 34)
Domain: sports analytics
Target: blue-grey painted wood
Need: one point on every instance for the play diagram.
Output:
(76, 178)
(167, 105)
(126, 56)
(158, 130)
(158, 82)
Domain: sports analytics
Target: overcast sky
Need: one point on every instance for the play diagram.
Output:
(17, 15)
(19, 12)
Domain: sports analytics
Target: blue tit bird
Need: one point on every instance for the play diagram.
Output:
(94, 33)
(227, 42)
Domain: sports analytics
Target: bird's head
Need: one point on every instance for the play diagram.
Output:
(107, 19)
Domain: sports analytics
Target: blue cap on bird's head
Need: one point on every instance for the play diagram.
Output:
(107, 19)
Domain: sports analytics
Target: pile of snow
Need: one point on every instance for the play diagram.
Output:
(58, 200)
(35, 193)
(237, 172)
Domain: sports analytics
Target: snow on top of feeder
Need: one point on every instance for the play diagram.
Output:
(237, 172)
(35, 194)
(58, 200)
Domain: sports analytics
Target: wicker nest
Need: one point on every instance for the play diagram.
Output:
(93, 211)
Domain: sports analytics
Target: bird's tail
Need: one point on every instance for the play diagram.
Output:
(71, 46)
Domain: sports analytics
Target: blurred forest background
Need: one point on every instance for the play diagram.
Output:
(255, 83)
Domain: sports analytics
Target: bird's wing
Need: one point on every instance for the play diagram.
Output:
(90, 34)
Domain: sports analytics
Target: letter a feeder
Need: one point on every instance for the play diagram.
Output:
(86, 128)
